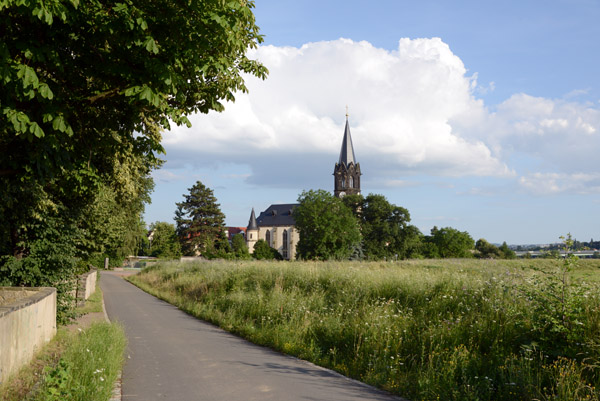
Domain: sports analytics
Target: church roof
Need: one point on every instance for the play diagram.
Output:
(252, 222)
(347, 152)
(278, 215)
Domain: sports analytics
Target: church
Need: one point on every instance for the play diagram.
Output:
(276, 225)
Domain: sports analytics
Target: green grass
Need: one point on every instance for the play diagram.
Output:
(81, 365)
(427, 330)
(88, 367)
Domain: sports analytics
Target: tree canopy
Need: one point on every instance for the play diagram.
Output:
(384, 227)
(85, 90)
(164, 242)
(328, 229)
(448, 242)
(200, 222)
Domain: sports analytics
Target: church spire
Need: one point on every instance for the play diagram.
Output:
(347, 152)
(347, 170)
(252, 225)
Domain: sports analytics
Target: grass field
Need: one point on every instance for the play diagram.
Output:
(426, 330)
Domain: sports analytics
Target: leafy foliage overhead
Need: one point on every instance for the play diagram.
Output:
(81, 77)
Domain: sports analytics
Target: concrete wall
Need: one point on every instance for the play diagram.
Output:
(86, 285)
(27, 321)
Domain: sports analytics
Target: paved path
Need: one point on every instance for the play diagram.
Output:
(173, 356)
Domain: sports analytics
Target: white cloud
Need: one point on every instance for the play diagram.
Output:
(412, 111)
(400, 103)
(557, 183)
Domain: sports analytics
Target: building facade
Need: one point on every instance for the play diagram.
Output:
(276, 225)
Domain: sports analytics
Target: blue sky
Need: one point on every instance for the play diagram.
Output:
(479, 115)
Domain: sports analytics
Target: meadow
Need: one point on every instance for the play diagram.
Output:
(460, 329)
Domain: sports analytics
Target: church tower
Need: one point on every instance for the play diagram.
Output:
(252, 232)
(346, 174)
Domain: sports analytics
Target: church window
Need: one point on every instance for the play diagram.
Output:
(351, 182)
(285, 244)
(343, 183)
(268, 237)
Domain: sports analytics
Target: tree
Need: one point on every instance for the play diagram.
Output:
(384, 226)
(507, 253)
(85, 90)
(450, 243)
(328, 229)
(164, 243)
(200, 222)
(239, 247)
(87, 87)
(262, 251)
(487, 250)
(82, 80)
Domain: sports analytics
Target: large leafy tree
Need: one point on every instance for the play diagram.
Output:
(385, 227)
(85, 90)
(200, 222)
(327, 227)
(85, 84)
(164, 242)
(448, 242)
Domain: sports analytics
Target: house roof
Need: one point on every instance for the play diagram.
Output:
(231, 231)
(347, 152)
(278, 215)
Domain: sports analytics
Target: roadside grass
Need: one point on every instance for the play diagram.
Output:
(429, 329)
(93, 304)
(80, 365)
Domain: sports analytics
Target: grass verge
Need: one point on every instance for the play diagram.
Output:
(427, 330)
(80, 365)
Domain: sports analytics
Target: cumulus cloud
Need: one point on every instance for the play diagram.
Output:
(413, 110)
(400, 103)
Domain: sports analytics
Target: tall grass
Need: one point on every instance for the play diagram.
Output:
(427, 330)
(88, 368)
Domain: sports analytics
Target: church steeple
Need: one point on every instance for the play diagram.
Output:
(347, 171)
(252, 225)
(347, 152)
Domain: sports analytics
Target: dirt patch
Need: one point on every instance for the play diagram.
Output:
(85, 321)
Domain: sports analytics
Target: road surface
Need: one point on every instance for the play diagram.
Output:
(174, 356)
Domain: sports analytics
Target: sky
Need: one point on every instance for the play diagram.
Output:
(479, 115)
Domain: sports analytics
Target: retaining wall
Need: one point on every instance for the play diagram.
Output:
(27, 321)
(86, 285)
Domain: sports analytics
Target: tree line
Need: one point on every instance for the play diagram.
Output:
(370, 227)
(354, 227)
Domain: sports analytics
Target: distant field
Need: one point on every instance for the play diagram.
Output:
(427, 330)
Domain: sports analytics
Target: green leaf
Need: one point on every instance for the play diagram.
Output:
(58, 124)
(142, 23)
(36, 130)
(46, 92)
(150, 45)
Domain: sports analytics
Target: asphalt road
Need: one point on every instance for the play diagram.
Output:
(173, 356)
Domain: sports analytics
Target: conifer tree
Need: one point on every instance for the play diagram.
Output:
(199, 219)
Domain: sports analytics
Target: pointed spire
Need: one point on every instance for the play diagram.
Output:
(252, 225)
(347, 152)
